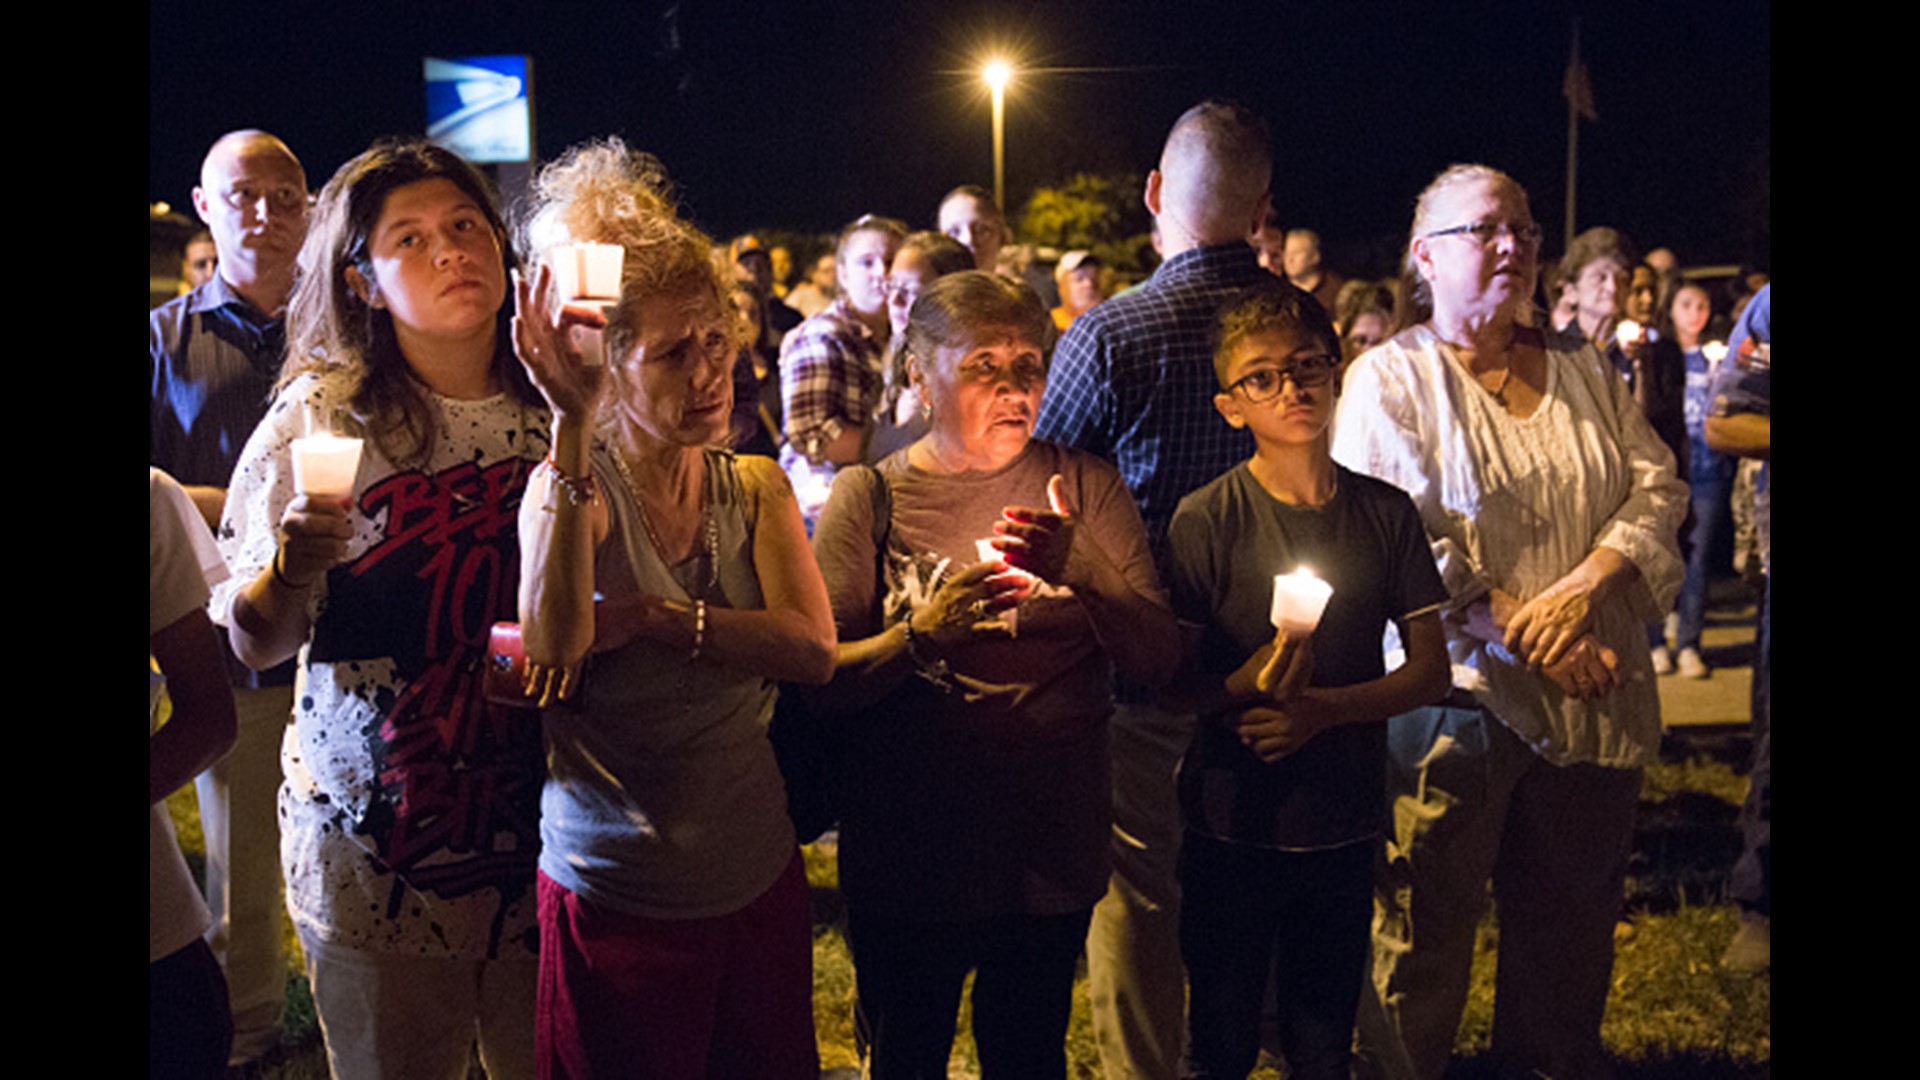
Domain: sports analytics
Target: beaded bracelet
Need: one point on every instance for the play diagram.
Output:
(699, 627)
(579, 492)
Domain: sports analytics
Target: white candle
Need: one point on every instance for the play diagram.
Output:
(1714, 351)
(1627, 332)
(587, 271)
(325, 464)
(1299, 599)
(988, 553)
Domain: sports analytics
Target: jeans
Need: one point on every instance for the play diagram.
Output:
(1712, 487)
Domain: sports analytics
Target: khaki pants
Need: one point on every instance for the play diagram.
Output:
(1473, 803)
(1135, 982)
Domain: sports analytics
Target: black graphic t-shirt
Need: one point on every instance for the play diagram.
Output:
(409, 813)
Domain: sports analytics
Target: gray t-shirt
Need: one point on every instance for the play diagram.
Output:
(1227, 541)
(992, 799)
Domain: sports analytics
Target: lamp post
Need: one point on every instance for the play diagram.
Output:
(997, 73)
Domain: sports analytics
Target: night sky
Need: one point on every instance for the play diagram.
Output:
(806, 115)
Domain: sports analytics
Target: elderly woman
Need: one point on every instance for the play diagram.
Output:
(409, 806)
(674, 917)
(984, 585)
(1552, 507)
(831, 373)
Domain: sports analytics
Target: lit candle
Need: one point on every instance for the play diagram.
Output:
(988, 553)
(325, 464)
(1627, 332)
(587, 271)
(1299, 599)
(1714, 351)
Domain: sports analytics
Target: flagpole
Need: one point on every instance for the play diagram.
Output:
(1573, 137)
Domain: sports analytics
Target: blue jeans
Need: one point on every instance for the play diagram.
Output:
(1712, 485)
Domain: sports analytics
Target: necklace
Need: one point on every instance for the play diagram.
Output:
(709, 527)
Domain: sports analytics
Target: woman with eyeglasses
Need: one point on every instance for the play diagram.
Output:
(1553, 510)
(924, 258)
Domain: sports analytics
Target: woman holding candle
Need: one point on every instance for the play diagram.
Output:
(831, 365)
(409, 806)
(674, 912)
(974, 828)
(1552, 507)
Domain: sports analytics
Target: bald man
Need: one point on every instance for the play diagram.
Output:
(215, 355)
(1133, 381)
(1300, 261)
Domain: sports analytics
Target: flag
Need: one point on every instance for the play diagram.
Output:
(1575, 87)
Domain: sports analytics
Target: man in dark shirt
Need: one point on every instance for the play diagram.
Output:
(215, 354)
(1133, 380)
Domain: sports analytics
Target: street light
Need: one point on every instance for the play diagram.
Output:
(997, 72)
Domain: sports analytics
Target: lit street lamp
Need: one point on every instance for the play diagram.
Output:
(997, 72)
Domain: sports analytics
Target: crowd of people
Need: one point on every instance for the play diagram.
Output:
(492, 718)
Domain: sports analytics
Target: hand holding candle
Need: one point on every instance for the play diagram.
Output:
(1039, 542)
(1628, 333)
(988, 553)
(1288, 668)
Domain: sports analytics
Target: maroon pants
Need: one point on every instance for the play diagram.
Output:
(730, 996)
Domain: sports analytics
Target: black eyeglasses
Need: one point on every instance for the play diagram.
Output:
(1487, 232)
(1264, 384)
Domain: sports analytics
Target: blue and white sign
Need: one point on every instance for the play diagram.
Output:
(478, 107)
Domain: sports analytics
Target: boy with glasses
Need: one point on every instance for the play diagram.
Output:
(1282, 790)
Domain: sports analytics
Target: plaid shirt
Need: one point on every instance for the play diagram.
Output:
(1132, 381)
(830, 378)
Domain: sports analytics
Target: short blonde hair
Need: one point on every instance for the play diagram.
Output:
(1417, 296)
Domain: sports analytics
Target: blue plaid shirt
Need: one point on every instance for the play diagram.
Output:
(1132, 380)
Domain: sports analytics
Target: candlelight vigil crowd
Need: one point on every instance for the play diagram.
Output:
(530, 583)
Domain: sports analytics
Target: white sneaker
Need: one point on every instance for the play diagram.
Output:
(1662, 660)
(1691, 664)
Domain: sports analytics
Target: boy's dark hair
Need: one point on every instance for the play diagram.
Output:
(1270, 305)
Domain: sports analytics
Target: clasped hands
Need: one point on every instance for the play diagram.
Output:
(1553, 633)
(1039, 543)
(1286, 713)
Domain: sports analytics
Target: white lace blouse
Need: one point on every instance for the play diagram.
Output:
(1515, 504)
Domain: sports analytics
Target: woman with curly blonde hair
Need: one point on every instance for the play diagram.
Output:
(675, 929)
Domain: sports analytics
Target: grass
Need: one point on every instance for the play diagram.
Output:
(1672, 1013)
